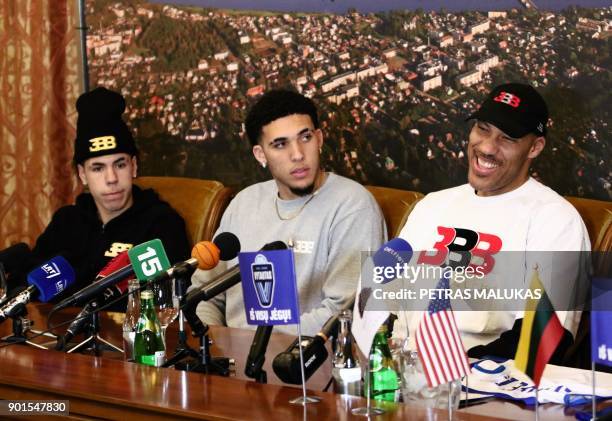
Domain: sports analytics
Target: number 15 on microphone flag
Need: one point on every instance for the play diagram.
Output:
(269, 288)
(148, 259)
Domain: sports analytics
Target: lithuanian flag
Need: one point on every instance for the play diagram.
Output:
(540, 334)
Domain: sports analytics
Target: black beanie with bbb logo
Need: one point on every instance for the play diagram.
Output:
(100, 127)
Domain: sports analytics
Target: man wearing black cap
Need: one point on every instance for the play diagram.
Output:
(500, 209)
(113, 215)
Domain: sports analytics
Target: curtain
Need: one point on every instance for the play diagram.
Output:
(40, 81)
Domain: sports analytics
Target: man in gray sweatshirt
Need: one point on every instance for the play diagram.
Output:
(327, 219)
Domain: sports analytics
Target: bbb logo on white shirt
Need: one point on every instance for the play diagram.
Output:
(303, 247)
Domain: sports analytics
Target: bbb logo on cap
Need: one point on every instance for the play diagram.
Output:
(102, 143)
(508, 98)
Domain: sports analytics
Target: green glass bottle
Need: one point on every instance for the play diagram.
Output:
(384, 384)
(148, 343)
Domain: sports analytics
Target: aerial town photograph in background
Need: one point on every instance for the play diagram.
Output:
(394, 82)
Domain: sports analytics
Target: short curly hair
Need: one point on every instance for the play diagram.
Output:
(277, 104)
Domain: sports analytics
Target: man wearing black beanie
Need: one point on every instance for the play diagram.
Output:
(113, 215)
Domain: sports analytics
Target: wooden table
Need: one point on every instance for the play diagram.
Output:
(107, 387)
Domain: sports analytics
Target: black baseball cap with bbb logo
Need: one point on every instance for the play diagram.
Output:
(514, 108)
(100, 127)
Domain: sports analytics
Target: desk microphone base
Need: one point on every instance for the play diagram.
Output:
(217, 365)
(21, 328)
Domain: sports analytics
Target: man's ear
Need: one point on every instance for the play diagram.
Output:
(134, 167)
(537, 147)
(81, 172)
(259, 155)
(319, 135)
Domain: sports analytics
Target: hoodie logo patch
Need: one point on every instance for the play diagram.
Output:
(117, 248)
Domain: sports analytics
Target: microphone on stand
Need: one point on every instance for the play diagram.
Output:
(118, 269)
(205, 255)
(122, 269)
(257, 354)
(45, 283)
(109, 294)
(224, 281)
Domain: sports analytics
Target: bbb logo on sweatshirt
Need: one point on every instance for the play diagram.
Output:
(117, 248)
(303, 247)
(461, 245)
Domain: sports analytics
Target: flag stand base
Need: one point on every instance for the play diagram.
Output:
(367, 412)
(303, 400)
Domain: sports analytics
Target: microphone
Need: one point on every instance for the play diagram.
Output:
(225, 280)
(257, 353)
(228, 244)
(221, 283)
(205, 255)
(45, 283)
(116, 270)
(393, 252)
(111, 293)
(224, 245)
(12, 257)
(286, 365)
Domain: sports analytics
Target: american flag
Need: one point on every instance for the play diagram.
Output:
(438, 342)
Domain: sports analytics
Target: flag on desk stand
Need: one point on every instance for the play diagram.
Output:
(541, 333)
(270, 295)
(438, 342)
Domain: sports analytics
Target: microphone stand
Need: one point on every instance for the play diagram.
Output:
(21, 326)
(183, 350)
(257, 357)
(205, 363)
(95, 341)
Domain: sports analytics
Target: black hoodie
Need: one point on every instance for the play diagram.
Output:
(77, 233)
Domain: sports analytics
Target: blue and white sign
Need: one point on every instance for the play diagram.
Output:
(268, 287)
(601, 320)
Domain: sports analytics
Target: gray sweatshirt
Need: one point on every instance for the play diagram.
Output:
(328, 233)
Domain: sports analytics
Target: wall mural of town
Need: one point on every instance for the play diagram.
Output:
(394, 86)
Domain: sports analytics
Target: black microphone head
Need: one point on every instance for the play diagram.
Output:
(275, 245)
(228, 244)
(13, 256)
(287, 367)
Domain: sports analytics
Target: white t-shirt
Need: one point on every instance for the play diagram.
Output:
(528, 219)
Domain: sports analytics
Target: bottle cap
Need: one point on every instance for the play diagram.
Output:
(146, 295)
(346, 314)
